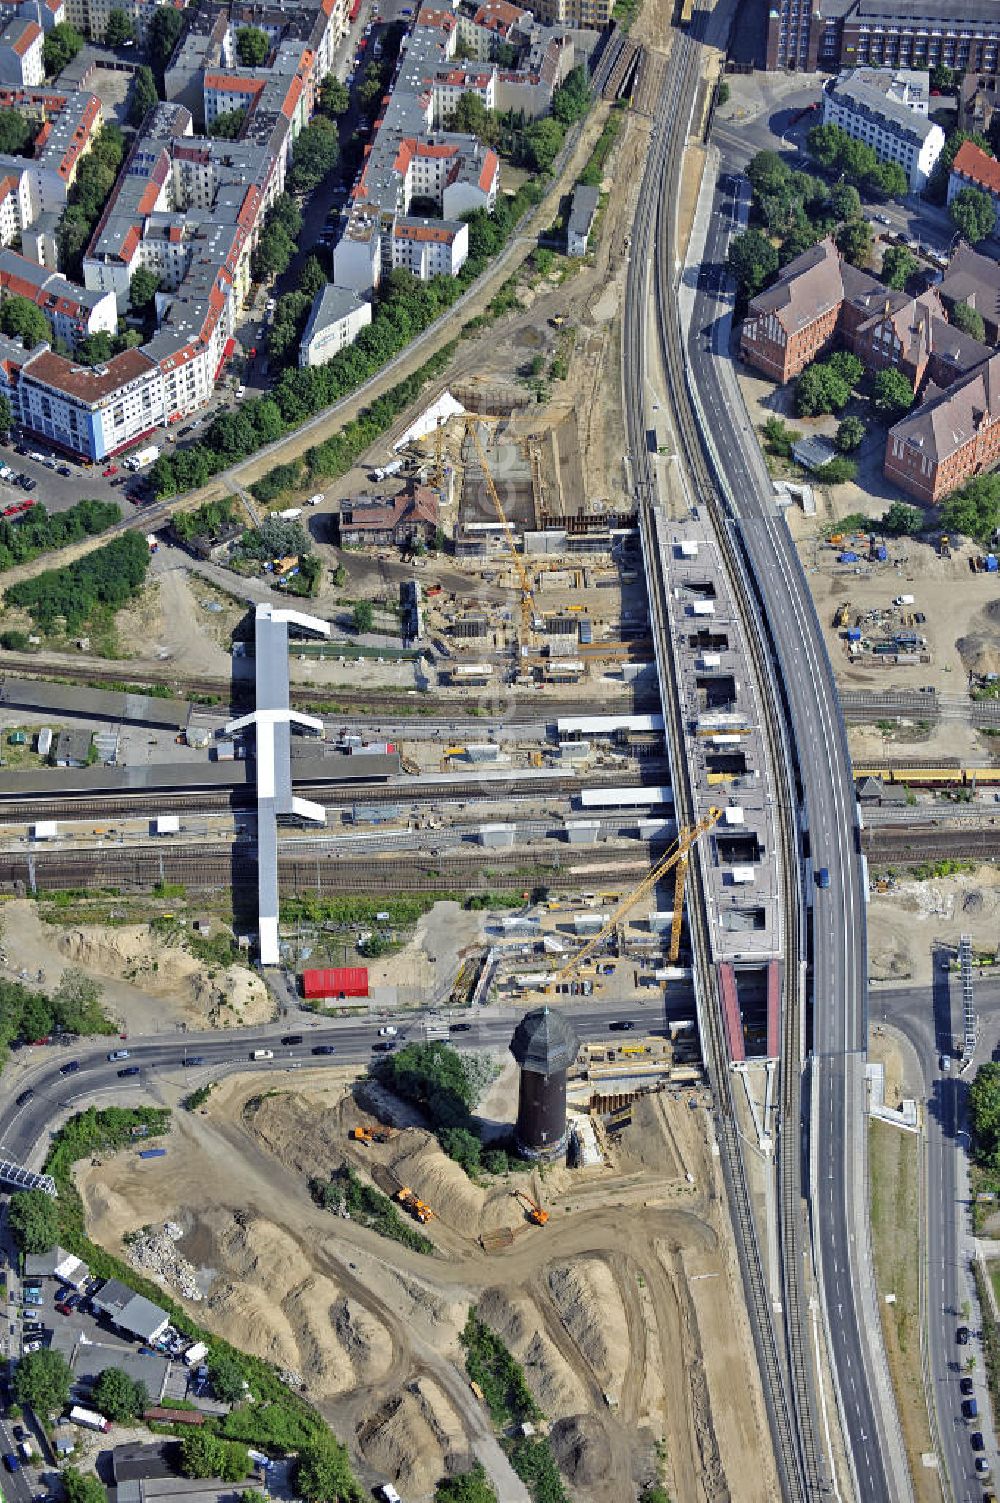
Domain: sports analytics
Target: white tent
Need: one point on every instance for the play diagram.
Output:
(439, 412)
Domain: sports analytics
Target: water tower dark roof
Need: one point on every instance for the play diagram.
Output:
(544, 1042)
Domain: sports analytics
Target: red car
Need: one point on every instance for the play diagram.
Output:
(112, 469)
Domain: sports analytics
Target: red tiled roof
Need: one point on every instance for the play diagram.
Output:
(490, 165)
(972, 162)
(424, 232)
(90, 385)
(32, 31)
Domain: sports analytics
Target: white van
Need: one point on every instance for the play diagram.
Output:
(388, 1493)
(262, 1054)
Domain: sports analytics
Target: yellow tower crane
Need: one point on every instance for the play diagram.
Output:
(675, 859)
(527, 592)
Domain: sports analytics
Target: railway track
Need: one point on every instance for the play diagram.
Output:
(921, 844)
(789, 1403)
(331, 796)
(214, 867)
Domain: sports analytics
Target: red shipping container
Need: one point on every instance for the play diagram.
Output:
(342, 981)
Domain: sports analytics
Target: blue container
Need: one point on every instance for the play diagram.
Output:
(991, 563)
(152, 1153)
(882, 554)
(847, 558)
(854, 634)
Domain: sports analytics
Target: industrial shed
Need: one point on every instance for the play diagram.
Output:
(95, 704)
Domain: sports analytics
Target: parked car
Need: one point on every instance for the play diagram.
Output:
(962, 1335)
(383, 1048)
(459, 1027)
(11, 1462)
(193, 1059)
(982, 1467)
(965, 1385)
(388, 1032)
(976, 1441)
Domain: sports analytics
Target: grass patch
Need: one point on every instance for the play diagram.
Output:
(346, 1191)
(593, 172)
(511, 1404)
(991, 1333)
(894, 1169)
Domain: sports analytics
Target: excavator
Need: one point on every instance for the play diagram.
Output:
(412, 1203)
(368, 1135)
(535, 1213)
(676, 860)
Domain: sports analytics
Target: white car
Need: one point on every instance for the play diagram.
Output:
(241, 392)
(388, 1032)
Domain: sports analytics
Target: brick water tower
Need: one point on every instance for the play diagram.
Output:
(544, 1046)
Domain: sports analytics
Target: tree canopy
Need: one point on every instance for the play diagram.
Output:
(110, 577)
(22, 319)
(42, 1381)
(143, 97)
(34, 1220)
(571, 99)
(901, 521)
(857, 163)
(206, 1455)
(334, 98)
(227, 1375)
(17, 133)
(363, 615)
(120, 29)
(892, 394)
(143, 288)
(252, 46)
(984, 1109)
(850, 435)
(60, 47)
(119, 1397)
(968, 320)
(973, 214)
(898, 266)
(82, 1487)
(467, 1487)
(323, 1474)
(820, 389)
(314, 154)
(974, 511)
(227, 125)
(752, 259)
(854, 241)
(162, 33)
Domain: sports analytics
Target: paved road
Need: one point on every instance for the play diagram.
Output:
(839, 956)
(162, 1058)
(926, 1017)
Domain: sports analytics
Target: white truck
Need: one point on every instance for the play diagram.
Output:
(290, 514)
(392, 468)
(143, 457)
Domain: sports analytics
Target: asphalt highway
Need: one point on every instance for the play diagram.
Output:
(190, 1059)
(830, 839)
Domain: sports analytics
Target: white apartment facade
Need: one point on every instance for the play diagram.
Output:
(894, 131)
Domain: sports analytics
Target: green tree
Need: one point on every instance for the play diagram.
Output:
(471, 117)
(571, 99)
(901, 521)
(845, 201)
(974, 511)
(119, 1398)
(227, 125)
(363, 615)
(888, 180)
(984, 1108)
(312, 277)
(43, 1381)
(968, 320)
(162, 35)
(323, 1474)
(847, 366)
(60, 47)
(6, 417)
(854, 241)
(33, 1217)
(973, 214)
(143, 97)
(768, 173)
(17, 134)
(942, 78)
(94, 349)
(837, 470)
(143, 289)
(850, 435)
(80, 1488)
(892, 394)
(227, 1375)
(820, 390)
(722, 92)
(120, 29)
(252, 46)
(21, 319)
(779, 438)
(752, 259)
(466, 1487)
(314, 155)
(898, 266)
(206, 1455)
(334, 99)
(823, 143)
(542, 140)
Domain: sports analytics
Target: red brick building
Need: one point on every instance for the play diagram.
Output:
(795, 321)
(950, 437)
(410, 517)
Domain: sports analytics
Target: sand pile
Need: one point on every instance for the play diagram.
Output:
(419, 1162)
(518, 1321)
(229, 998)
(582, 1450)
(586, 1296)
(412, 1437)
(303, 1130)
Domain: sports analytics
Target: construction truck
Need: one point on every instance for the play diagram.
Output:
(371, 1135)
(843, 615)
(535, 1212)
(417, 1208)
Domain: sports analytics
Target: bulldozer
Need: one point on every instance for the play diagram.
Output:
(412, 1203)
(535, 1213)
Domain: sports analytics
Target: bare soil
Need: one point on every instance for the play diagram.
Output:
(908, 924)
(626, 1349)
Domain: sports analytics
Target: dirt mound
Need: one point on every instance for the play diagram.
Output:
(551, 1378)
(290, 1314)
(587, 1298)
(582, 1449)
(973, 902)
(230, 998)
(412, 1437)
(419, 1162)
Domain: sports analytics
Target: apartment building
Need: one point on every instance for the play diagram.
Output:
(972, 168)
(337, 317)
(35, 188)
(71, 312)
(93, 412)
(795, 320)
(590, 15)
(21, 53)
(830, 34)
(871, 106)
(974, 279)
